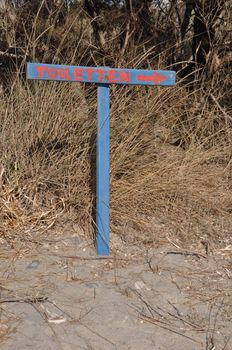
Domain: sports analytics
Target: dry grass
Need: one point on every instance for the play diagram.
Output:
(44, 147)
(170, 156)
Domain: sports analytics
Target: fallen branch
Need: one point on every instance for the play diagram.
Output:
(25, 300)
(199, 255)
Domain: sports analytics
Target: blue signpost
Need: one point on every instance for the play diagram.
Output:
(103, 76)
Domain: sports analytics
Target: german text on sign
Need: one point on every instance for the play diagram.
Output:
(100, 75)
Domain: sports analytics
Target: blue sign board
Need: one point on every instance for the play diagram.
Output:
(100, 75)
(103, 76)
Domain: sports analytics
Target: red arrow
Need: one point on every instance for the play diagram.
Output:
(156, 78)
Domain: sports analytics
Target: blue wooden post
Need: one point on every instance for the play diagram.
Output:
(103, 171)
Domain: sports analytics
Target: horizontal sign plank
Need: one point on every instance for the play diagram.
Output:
(100, 75)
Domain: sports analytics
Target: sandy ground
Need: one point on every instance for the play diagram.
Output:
(59, 295)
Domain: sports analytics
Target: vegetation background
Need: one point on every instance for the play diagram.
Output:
(171, 148)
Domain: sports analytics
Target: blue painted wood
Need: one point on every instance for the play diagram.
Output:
(103, 171)
(102, 75)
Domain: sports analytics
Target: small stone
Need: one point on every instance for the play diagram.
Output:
(33, 265)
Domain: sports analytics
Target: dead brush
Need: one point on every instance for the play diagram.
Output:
(170, 156)
(44, 169)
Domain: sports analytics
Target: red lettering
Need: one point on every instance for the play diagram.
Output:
(62, 73)
(101, 73)
(125, 77)
(53, 73)
(79, 74)
(112, 76)
(67, 74)
(90, 72)
(41, 70)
